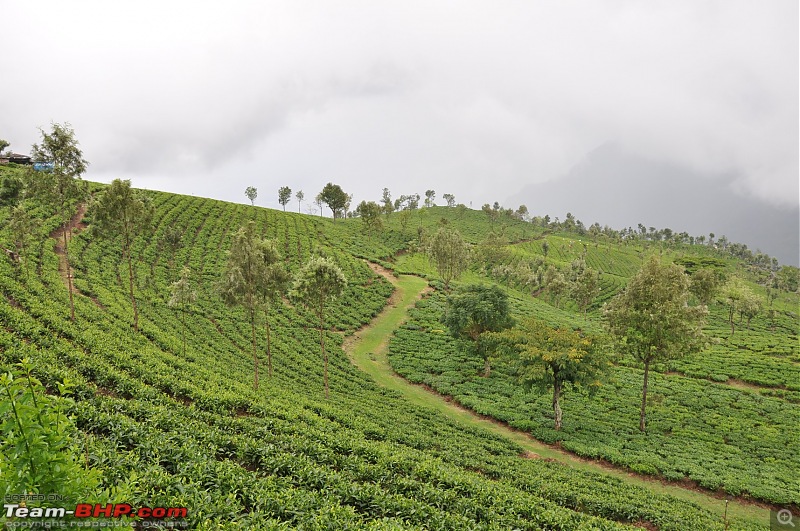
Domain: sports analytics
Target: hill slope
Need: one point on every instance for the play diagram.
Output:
(170, 429)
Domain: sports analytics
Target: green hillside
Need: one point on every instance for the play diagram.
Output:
(166, 428)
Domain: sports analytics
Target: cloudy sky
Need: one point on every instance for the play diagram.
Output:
(479, 99)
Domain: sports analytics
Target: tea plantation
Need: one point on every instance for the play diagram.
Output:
(164, 427)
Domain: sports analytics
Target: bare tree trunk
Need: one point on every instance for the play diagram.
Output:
(183, 331)
(255, 353)
(487, 367)
(269, 350)
(133, 298)
(642, 414)
(557, 403)
(324, 354)
(69, 274)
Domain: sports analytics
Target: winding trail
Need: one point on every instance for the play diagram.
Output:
(367, 349)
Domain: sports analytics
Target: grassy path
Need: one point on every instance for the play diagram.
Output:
(367, 350)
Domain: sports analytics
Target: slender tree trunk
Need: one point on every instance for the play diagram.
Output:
(255, 353)
(642, 414)
(183, 331)
(557, 403)
(324, 354)
(133, 298)
(269, 350)
(69, 274)
(487, 367)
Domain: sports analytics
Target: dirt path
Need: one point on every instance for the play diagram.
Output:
(73, 227)
(367, 349)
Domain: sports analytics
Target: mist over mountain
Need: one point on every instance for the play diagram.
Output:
(620, 189)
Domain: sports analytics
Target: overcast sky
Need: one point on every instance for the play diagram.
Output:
(477, 99)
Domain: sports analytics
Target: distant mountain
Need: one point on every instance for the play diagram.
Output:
(620, 189)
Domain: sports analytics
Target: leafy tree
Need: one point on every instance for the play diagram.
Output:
(122, 211)
(11, 188)
(788, 278)
(448, 252)
(22, 228)
(546, 358)
(63, 185)
(556, 285)
(430, 198)
(522, 212)
(491, 213)
(739, 297)
(370, 213)
(299, 196)
(652, 321)
(3, 144)
(386, 199)
(317, 283)
(170, 242)
(253, 278)
(585, 288)
(284, 196)
(450, 199)
(181, 297)
(545, 248)
(335, 198)
(251, 192)
(704, 284)
(475, 310)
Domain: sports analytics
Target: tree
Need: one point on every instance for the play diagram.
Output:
(555, 285)
(544, 358)
(181, 297)
(430, 198)
(451, 200)
(386, 199)
(3, 144)
(127, 213)
(739, 297)
(585, 288)
(448, 252)
(475, 310)
(11, 188)
(171, 240)
(334, 197)
(63, 185)
(22, 228)
(652, 321)
(251, 192)
(370, 213)
(522, 212)
(284, 196)
(316, 284)
(704, 284)
(299, 196)
(545, 248)
(253, 278)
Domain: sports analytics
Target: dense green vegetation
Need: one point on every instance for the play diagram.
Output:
(163, 425)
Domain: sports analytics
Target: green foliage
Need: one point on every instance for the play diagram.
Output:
(39, 449)
(23, 229)
(11, 188)
(585, 288)
(299, 195)
(284, 196)
(251, 192)
(448, 252)
(704, 284)
(542, 357)
(370, 214)
(182, 296)
(652, 321)
(318, 282)
(123, 212)
(254, 277)
(335, 198)
(60, 147)
(475, 310)
(737, 296)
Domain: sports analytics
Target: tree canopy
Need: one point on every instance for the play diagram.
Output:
(448, 252)
(652, 320)
(335, 198)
